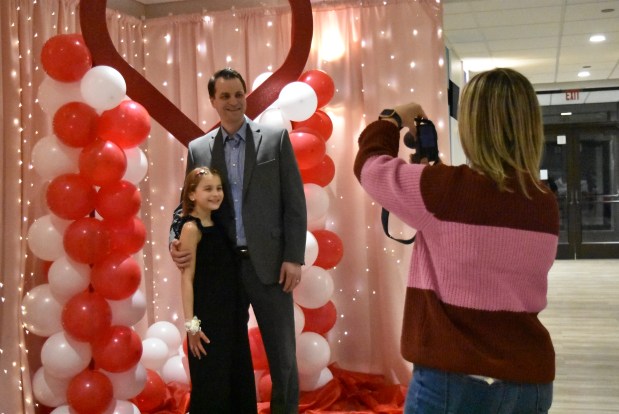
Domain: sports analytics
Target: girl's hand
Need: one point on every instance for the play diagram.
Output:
(194, 344)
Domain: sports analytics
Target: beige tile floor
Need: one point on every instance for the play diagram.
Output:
(583, 319)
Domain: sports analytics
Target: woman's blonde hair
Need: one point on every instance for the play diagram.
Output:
(191, 183)
(501, 128)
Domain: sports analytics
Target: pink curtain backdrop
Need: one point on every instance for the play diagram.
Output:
(378, 54)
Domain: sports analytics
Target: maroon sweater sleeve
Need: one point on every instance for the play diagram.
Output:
(378, 138)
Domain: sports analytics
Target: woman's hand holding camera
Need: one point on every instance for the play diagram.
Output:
(408, 112)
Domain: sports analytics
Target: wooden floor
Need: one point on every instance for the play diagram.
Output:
(583, 320)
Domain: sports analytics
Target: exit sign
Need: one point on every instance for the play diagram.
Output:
(572, 95)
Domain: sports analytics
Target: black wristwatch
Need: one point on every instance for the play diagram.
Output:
(391, 113)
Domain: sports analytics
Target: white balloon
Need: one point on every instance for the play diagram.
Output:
(49, 390)
(274, 117)
(41, 312)
(122, 407)
(50, 158)
(67, 278)
(128, 384)
(137, 165)
(299, 320)
(317, 201)
(298, 101)
(52, 94)
(316, 381)
(319, 223)
(154, 353)
(128, 311)
(168, 333)
(45, 239)
(313, 353)
(260, 80)
(252, 319)
(64, 409)
(315, 289)
(174, 370)
(103, 87)
(65, 357)
(311, 249)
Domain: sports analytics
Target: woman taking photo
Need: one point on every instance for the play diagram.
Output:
(487, 236)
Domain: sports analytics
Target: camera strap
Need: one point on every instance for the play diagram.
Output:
(384, 218)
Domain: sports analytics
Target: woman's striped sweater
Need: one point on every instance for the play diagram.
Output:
(479, 270)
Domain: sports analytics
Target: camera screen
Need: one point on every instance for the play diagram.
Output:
(427, 136)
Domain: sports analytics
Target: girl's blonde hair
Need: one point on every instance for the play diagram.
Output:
(191, 183)
(501, 128)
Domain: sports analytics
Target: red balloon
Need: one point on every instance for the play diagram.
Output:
(75, 124)
(321, 174)
(319, 124)
(118, 349)
(320, 320)
(66, 57)
(90, 392)
(153, 395)
(258, 353)
(265, 388)
(127, 125)
(86, 316)
(86, 240)
(126, 236)
(116, 277)
(330, 249)
(119, 200)
(321, 83)
(70, 196)
(308, 149)
(102, 163)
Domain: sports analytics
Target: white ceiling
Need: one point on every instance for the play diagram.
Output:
(547, 40)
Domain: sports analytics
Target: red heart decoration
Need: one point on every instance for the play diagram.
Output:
(97, 38)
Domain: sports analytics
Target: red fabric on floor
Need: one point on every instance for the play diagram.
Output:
(352, 393)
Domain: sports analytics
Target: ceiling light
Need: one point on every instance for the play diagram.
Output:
(584, 74)
(566, 113)
(597, 38)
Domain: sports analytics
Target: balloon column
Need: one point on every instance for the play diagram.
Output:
(91, 360)
(299, 109)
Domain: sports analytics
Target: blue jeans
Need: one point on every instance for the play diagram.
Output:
(433, 391)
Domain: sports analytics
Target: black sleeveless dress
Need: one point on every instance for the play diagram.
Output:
(222, 381)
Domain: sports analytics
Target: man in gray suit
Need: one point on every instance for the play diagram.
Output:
(264, 213)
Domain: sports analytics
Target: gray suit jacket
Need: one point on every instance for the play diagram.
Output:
(274, 211)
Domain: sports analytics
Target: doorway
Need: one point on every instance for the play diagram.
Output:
(581, 165)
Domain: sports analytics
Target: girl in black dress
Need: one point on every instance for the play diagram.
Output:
(215, 306)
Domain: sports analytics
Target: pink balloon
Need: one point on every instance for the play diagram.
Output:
(41, 311)
(313, 353)
(49, 390)
(129, 383)
(102, 163)
(64, 357)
